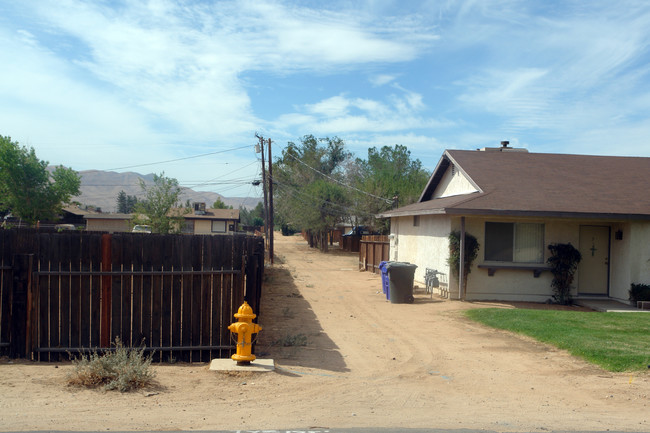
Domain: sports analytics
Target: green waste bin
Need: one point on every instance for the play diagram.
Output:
(400, 278)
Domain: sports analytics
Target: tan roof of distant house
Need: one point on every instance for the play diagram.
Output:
(539, 184)
(75, 210)
(212, 214)
(109, 216)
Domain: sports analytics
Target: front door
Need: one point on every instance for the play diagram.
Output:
(593, 270)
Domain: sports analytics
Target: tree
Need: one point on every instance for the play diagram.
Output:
(253, 217)
(219, 204)
(126, 203)
(309, 194)
(387, 173)
(157, 209)
(121, 202)
(27, 189)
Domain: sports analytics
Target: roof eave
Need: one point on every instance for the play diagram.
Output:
(517, 213)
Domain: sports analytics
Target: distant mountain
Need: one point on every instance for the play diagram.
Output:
(100, 188)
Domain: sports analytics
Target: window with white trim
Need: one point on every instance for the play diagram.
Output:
(218, 227)
(514, 242)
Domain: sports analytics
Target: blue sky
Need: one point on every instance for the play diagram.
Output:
(110, 84)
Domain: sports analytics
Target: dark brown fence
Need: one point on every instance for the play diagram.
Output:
(373, 250)
(351, 244)
(176, 294)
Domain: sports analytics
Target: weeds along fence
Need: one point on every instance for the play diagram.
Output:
(72, 292)
(373, 250)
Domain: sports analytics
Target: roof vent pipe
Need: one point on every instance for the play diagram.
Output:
(504, 144)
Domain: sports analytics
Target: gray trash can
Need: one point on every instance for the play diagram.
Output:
(400, 277)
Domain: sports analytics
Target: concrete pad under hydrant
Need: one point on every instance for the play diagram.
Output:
(227, 364)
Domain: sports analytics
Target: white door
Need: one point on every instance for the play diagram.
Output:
(593, 270)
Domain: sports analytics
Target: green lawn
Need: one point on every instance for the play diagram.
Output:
(614, 341)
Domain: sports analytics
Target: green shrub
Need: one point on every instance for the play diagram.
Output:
(124, 369)
(639, 292)
(563, 261)
(471, 252)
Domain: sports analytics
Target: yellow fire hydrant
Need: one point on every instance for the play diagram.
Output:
(244, 328)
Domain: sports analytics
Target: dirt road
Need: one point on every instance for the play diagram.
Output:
(365, 363)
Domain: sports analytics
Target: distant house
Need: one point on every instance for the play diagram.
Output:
(212, 221)
(201, 221)
(73, 214)
(517, 203)
(109, 222)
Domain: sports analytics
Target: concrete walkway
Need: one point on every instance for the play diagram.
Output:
(608, 306)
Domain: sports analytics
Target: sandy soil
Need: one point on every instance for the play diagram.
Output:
(366, 363)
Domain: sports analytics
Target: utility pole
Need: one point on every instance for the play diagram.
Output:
(266, 209)
(271, 224)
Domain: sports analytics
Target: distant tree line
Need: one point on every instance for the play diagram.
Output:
(318, 184)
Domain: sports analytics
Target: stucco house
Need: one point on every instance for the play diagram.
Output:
(200, 221)
(516, 203)
(109, 222)
(212, 221)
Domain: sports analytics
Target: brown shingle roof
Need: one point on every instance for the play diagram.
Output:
(212, 214)
(537, 184)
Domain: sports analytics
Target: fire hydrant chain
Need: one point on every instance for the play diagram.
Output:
(244, 328)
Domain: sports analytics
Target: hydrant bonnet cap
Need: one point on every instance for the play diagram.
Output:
(245, 312)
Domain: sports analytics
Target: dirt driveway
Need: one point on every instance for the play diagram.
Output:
(366, 363)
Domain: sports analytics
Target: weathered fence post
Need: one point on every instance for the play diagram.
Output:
(20, 326)
(105, 325)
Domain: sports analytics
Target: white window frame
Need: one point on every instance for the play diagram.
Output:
(212, 226)
(516, 254)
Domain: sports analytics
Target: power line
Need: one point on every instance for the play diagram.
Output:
(344, 210)
(389, 201)
(179, 159)
(225, 174)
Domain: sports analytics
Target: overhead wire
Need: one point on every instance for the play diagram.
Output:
(339, 182)
(344, 210)
(179, 159)
(211, 180)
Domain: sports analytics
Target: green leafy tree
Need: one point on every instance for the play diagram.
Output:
(157, 209)
(389, 173)
(257, 215)
(219, 204)
(308, 193)
(27, 189)
(254, 217)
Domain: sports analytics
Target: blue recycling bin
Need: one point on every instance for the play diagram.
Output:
(400, 278)
(385, 284)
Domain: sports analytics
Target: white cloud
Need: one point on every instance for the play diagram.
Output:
(381, 80)
(330, 107)
(343, 115)
(183, 63)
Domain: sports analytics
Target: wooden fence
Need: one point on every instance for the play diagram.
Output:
(373, 250)
(70, 292)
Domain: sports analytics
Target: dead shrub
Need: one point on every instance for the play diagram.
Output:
(124, 369)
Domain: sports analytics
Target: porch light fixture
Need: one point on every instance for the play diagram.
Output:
(618, 235)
